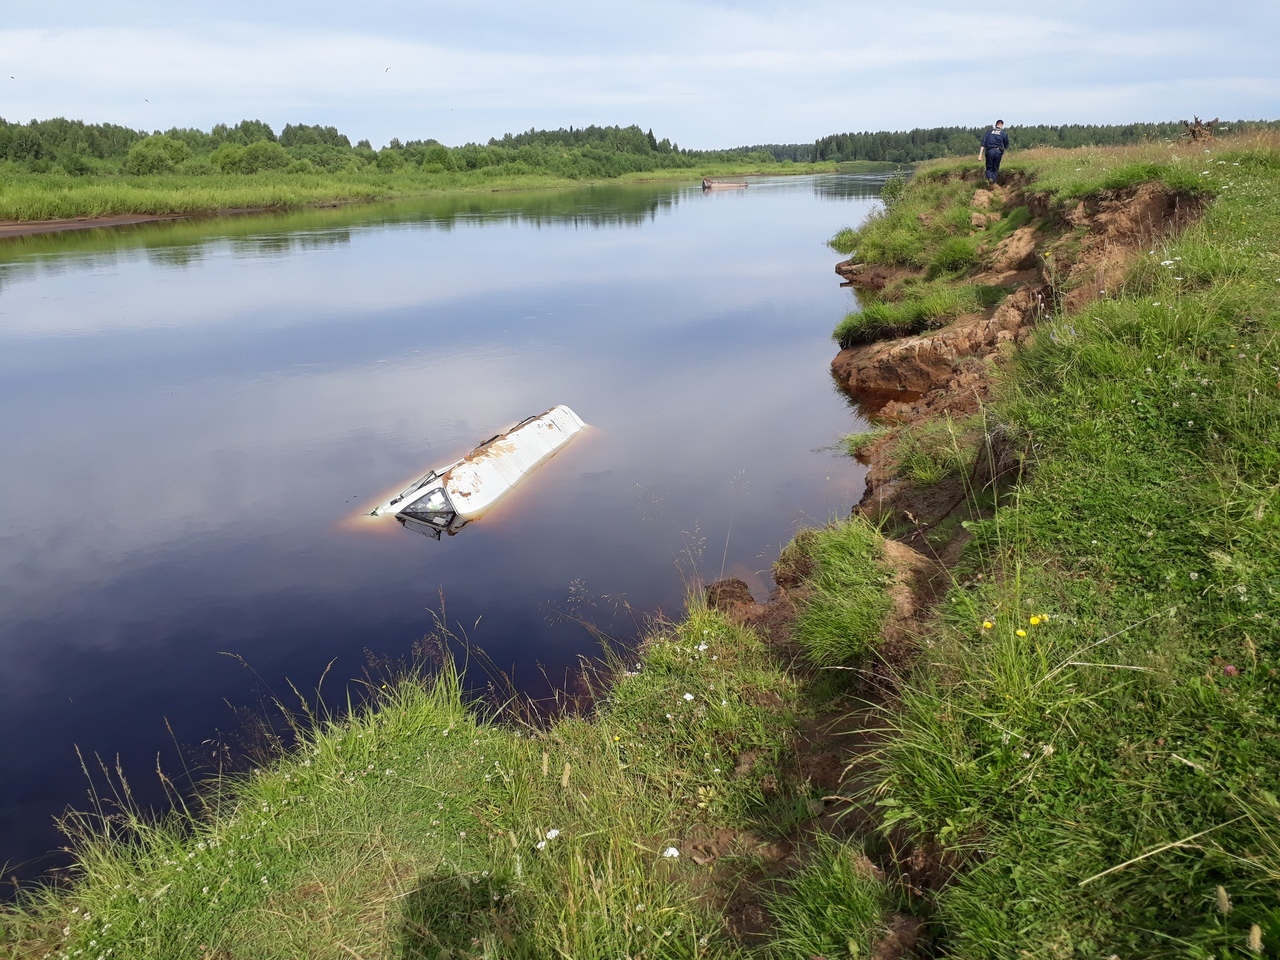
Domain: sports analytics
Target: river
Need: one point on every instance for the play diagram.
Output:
(194, 415)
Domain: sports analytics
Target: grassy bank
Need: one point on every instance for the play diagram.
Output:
(52, 196)
(421, 827)
(1093, 737)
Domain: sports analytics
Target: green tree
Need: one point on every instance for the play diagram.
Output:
(258, 156)
(302, 135)
(155, 154)
(438, 155)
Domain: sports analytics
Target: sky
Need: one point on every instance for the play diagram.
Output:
(705, 75)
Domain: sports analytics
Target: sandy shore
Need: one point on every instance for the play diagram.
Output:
(22, 228)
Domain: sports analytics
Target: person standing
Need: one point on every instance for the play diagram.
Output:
(994, 144)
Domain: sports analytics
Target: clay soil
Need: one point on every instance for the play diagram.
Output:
(951, 370)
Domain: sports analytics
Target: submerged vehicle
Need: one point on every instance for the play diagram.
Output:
(446, 500)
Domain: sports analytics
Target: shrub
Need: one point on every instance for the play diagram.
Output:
(74, 164)
(262, 155)
(389, 160)
(155, 154)
(893, 189)
(227, 157)
(438, 155)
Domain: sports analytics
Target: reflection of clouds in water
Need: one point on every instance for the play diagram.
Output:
(249, 283)
(649, 502)
(244, 453)
(176, 487)
(852, 187)
(178, 243)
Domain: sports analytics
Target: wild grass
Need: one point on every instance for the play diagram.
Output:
(835, 906)
(923, 307)
(906, 232)
(52, 196)
(845, 240)
(858, 445)
(1096, 730)
(421, 827)
(932, 451)
(843, 618)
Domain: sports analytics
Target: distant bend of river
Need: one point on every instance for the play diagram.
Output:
(192, 413)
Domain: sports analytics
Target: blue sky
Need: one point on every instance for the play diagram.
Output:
(703, 74)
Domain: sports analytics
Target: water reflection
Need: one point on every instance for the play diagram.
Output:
(592, 206)
(190, 414)
(850, 186)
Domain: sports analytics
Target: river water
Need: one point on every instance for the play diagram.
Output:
(194, 414)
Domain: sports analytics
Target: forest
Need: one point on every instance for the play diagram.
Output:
(251, 146)
(76, 148)
(931, 143)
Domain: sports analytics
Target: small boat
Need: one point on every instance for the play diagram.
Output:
(446, 500)
(710, 184)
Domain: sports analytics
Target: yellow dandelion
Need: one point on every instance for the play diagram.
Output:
(1022, 633)
(987, 624)
(1035, 621)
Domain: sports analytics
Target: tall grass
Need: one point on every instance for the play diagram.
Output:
(835, 906)
(923, 307)
(1096, 729)
(422, 828)
(845, 567)
(25, 196)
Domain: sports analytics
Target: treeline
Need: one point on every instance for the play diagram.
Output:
(934, 142)
(252, 146)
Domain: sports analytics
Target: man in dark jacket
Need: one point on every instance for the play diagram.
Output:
(994, 144)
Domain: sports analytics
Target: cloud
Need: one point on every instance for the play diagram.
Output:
(703, 74)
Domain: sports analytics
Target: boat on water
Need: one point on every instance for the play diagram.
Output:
(709, 183)
(446, 500)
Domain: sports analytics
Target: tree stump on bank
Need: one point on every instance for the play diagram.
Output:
(1198, 130)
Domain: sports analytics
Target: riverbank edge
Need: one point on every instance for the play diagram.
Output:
(227, 198)
(1047, 364)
